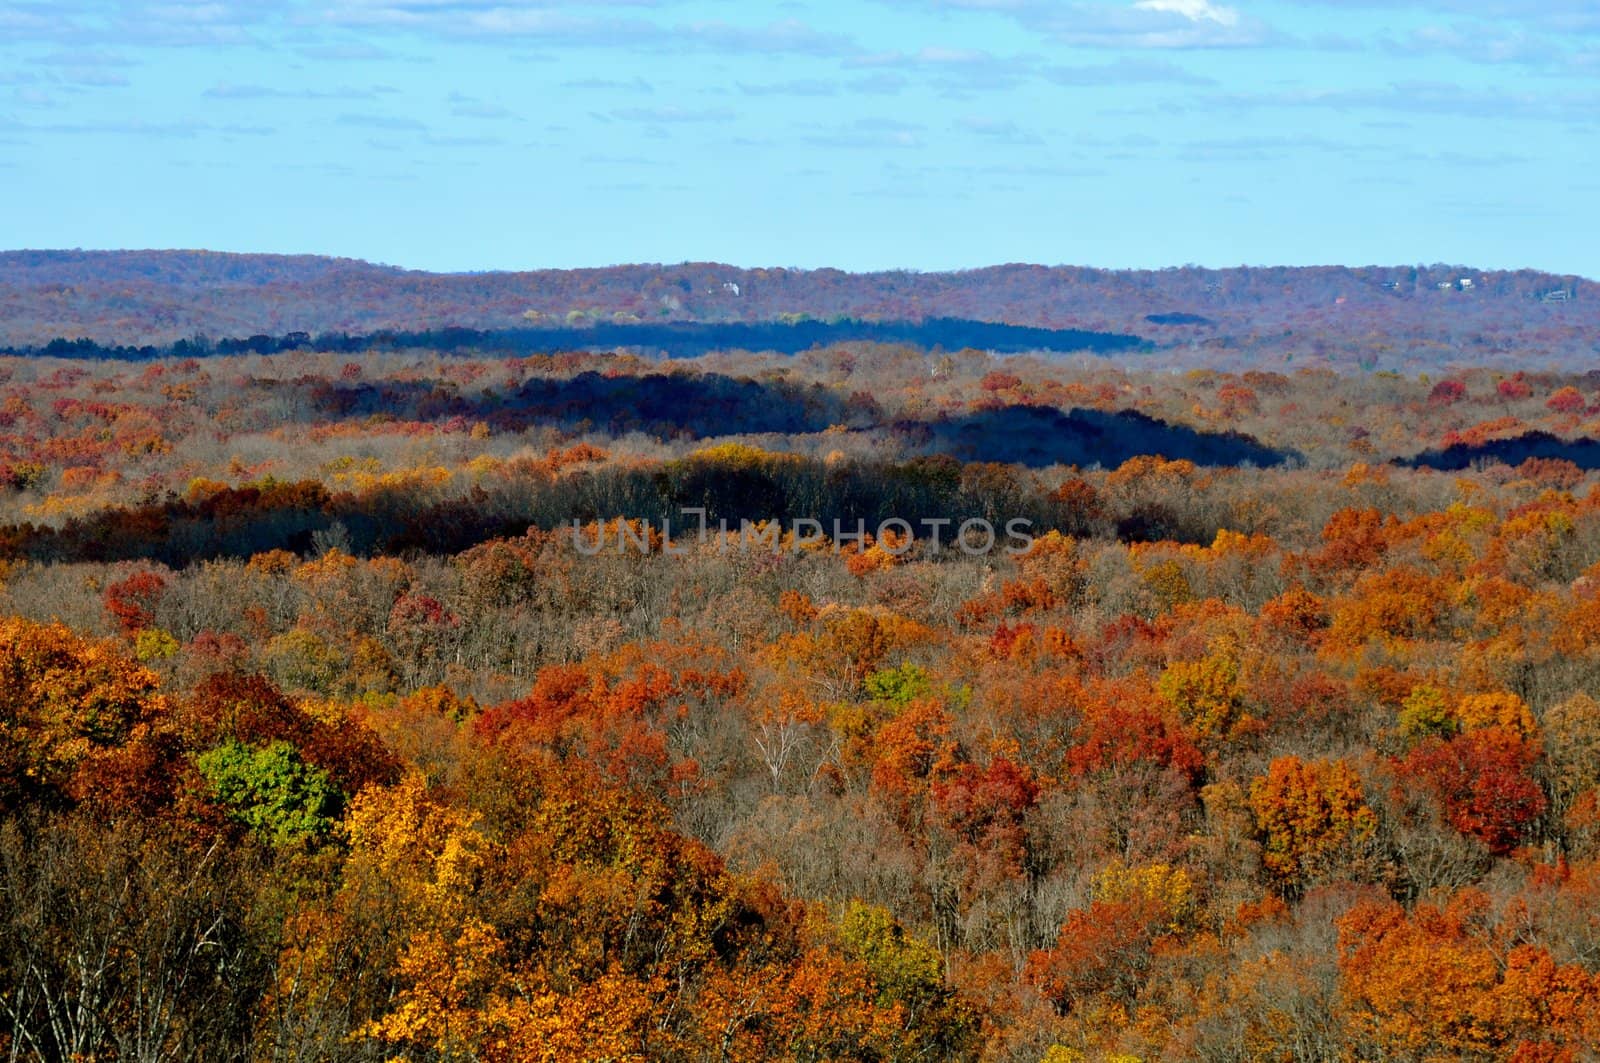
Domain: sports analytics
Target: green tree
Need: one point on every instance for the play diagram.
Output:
(271, 790)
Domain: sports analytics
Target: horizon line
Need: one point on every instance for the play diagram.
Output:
(854, 271)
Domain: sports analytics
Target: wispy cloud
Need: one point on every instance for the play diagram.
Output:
(84, 69)
(954, 71)
(671, 115)
(997, 130)
(798, 87)
(389, 122)
(464, 106)
(1479, 43)
(543, 23)
(637, 85)
(361, 29)
(82, 60)
(596, 159)
(228, 91)
(1423, 98)
(345, 52)
(169, 130)
(1567, 16)
(882, 83)
(1258, 148)
(436, 141)
(79, 24)
(869, 133)
(1153, 24)
(1192, 10)
(1125, 71)
(788, 37)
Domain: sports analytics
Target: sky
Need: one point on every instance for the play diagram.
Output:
(866, 134)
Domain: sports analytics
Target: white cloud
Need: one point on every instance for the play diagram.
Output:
(1193, 10)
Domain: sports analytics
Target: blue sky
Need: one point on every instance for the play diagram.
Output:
(926, 134)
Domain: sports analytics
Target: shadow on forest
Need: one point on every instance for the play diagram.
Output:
(308, 517)
(670, 405)
(1584, 453)
(666, 405)
(663, 405)
(1039, 436)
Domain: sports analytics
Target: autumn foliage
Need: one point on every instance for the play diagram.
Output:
(336, 741)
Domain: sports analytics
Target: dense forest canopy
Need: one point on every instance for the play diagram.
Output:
(325, 736)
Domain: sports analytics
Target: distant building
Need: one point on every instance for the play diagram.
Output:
(730, 287)
(1466, 282)
(1557, 295)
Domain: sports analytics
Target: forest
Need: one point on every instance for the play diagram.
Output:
(326, 735)
(1412, 319)
(672, 339)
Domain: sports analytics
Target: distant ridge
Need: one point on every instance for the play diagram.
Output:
(1375, 317)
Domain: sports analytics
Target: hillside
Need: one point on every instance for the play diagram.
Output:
(1401, 317)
